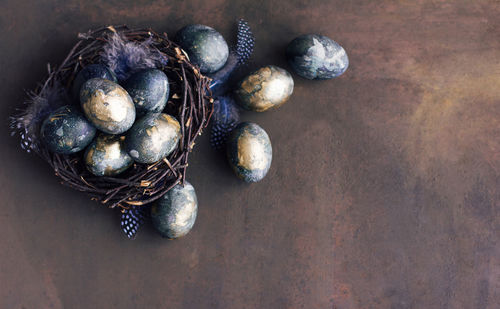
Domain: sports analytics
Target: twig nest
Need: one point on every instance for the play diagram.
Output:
(66, 131)
(314, 56)
(173, 215)
(249, 152)
(107, 105)
(106, 156)
(96, 70)
(268, 87)
(149, 90)
(110, 109)
(205, 46)
(153, 137)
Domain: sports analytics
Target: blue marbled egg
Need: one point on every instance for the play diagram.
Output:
(205, 46)
(153, 137)
(106, 156)
(315, 56)
(107, 105)
(67, 131)
(91, 71)
(268, 87)
(173, 215)
(249, 152)
(149, 90)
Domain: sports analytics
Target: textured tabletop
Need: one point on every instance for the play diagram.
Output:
(383, 190)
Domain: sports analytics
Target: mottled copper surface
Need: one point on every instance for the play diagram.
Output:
(383, 191)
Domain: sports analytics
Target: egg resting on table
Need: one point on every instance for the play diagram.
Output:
(91, 71)
(149, 90)
(107, 105)
(173, 215)
(205, 46)
(268, 87)
(66, 130)
(315, 56)
(249, 152)
(153, 137)
(106, 156)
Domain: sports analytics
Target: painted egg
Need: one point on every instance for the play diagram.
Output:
(315, 56)
(205, 47)
(268, 87)
(173, 215)
(153, 137)
(91, 71)
(149, 90)
(106, 156)
(249, 152)
(67, 130)
(107, 105)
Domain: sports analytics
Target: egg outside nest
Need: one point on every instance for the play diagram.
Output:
(314, 56)
(266, 88)
(249, 152)
(174, 214)
(205, 47)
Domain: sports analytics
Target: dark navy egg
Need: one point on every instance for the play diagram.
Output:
(149, 90)
(173, 215)
(249, 152)
(205, 47)
(89, 72)
(107, 105)
(315, 56)
(106, 156)
(153, 137)
(67, 131)
(268, 87)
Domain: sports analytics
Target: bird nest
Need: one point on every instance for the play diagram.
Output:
(190, 103)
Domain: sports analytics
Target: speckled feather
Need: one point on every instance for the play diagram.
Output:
(38, 106)
(225, 118)
(132, 219)
(226, 113)
(238, 55)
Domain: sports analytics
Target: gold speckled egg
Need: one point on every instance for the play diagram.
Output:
(268, 87)
(107, 105)
(106, 156)
(153, 137)
(249, 152)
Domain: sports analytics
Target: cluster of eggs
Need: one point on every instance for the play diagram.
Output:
(126, 121)
(249, 149)
(116, 125)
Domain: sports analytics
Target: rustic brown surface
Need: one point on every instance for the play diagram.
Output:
(383, 191)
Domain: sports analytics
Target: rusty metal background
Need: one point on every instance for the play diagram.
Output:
(383, 191)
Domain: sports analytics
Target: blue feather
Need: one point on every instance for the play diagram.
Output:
(225, 118)
(238, 55)
(132, 219)
(125, 57)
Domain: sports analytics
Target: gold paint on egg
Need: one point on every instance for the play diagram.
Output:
(110, 108)
(106, 156)
(251, 152)
(172, 121)
(268, 87)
